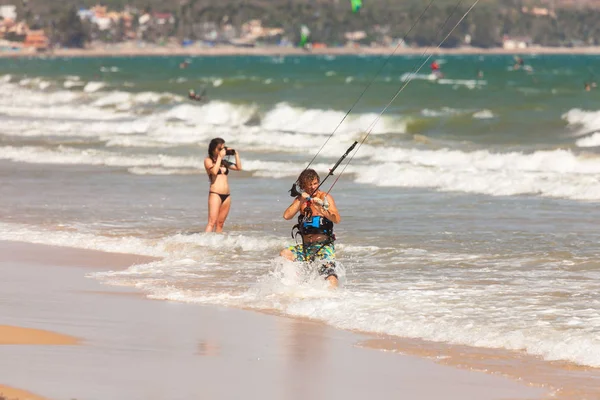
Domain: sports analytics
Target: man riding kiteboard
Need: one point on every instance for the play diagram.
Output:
(318, 213)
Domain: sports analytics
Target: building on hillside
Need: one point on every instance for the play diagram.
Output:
(355, 36)
(253, 31)
(85, 14)
(99, 11)
(5, 26)
(581, 4)
(539, 11)
(516, 43)
(163, 18)
(15, 32)
(6, 45)
(8, 12)
(36, 40)
(127, 19)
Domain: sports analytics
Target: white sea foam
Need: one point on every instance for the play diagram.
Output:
(556, 173)
(68, 155)
(71, 238)
(291, 119)
(72, 83)
(408, 76)
(212, 113)
(468, 83)
(91, 87)
(483, 114)
(586, 125)
(443, 112)
(109, 69)
(585, 121)
(181, 123)
(126, 100)
(35, 83)
(589, 141)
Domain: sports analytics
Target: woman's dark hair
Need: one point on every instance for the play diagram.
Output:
(213, 145)
(306, 177)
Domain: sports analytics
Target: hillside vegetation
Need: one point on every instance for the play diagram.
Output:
(329, 20)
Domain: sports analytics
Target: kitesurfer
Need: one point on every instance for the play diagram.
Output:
(318, 213)
(435, 69)
(519, 63)
(192, 95)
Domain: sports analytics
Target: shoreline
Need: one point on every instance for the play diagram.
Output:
(151, 50)
(186, 341)
(15, 335)
(11, 393)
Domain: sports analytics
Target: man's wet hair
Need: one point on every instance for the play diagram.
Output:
(306, 177)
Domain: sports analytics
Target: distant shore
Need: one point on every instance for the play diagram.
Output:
(126, 50)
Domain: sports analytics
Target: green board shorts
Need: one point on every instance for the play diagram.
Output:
(317, 252)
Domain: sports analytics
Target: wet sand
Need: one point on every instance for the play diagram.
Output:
(17, 335)
(134, 348)
(564, 380)
(10, 393)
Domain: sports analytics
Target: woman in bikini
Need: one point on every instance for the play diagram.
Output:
(219, 200)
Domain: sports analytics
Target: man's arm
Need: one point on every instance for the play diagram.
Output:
(332, 212)
(292, 209)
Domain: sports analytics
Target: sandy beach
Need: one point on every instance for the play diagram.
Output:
(14, 335)
(88, 341)
(9, 393)
(131, 49)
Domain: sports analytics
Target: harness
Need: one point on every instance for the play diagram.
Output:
(315, 225)
(309, 224)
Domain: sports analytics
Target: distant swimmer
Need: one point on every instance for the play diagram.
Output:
(587, 86)
(480, 74)
(519, 63)
(192, 95)
(184, 64)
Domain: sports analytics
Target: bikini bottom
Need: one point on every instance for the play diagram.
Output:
(222, 196)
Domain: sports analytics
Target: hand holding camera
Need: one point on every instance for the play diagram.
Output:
(229, 151)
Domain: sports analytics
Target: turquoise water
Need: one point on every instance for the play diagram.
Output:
(527, 106)
(468, 213)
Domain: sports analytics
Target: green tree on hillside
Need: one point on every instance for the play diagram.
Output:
(70, 30)
(485, 29)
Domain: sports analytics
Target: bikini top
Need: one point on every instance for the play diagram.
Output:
(221, 171)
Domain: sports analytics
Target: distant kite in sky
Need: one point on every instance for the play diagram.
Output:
(356, 5)
(304, 35)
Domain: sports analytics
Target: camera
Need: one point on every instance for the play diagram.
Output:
(229, 152)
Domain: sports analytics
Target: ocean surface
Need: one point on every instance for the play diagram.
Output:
(469, 213)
